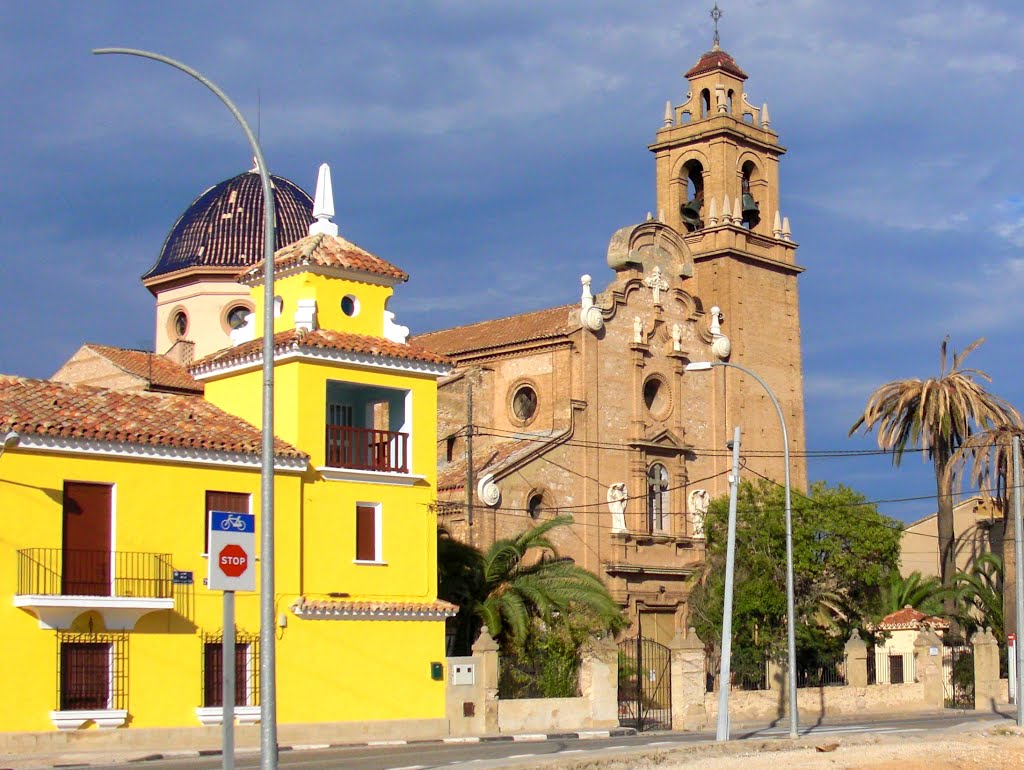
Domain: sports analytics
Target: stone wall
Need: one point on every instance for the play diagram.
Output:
(820, 702)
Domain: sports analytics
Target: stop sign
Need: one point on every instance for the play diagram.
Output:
(232, 560)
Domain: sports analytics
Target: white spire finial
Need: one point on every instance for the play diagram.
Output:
(323, 204)
(766, 121)
(777, 226)
(713, 214)
(737, 211)
(787, 234)
(668, 114)
(726, 210)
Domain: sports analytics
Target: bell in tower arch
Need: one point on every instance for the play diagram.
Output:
(690, 212)
(751, 212)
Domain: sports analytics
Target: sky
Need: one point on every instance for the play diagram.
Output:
(492, 148)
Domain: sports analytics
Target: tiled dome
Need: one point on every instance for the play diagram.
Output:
(716, 59)
(223, 228)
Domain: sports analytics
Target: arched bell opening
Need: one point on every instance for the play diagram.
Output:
(749, 176)
(705, 103)
(690, 211)
(728, 101)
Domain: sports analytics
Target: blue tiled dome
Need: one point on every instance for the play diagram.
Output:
(223, 228)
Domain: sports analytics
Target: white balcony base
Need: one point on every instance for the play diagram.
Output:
(120, 613)
(372, 477)
(105, 719)
(214, 715)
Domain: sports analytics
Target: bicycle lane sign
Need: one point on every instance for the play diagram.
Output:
(232, 551)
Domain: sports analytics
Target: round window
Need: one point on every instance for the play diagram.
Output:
(524, 403)
(180, 323)
(657, 397)
(349, 305)
(535, 505)
(237, 316)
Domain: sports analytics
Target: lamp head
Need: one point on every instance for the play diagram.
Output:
(699, 366)
(11, 439)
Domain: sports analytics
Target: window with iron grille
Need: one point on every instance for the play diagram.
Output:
(92, 671)
(247, 669)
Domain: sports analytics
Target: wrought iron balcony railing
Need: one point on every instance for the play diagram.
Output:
(367, 449)
(60, 572)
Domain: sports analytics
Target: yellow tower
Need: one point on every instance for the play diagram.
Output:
(717, 182)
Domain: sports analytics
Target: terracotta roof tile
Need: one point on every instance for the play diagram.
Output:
(716, 59)
(356, 610)
(319, 339)
(327, 251)
(550, 323)
(161, 372)
(908, 617)
(83, 412)
(454, 474)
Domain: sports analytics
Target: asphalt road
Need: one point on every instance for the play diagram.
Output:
(524, 754)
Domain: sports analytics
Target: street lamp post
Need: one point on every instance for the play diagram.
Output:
(268, 680)
(699, 366)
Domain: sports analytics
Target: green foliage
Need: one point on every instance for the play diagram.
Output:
(923, 594)
(546, 663)
(844, 552)
(518, 581)
(979, 596)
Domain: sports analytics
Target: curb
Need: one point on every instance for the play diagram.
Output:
(582, 735)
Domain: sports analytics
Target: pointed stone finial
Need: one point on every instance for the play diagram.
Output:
(787, 234)
(737, 211)
(726, 210)
(323, 204)
(650, 216)
(777, 226)
(766, 121)
(713, 214)
(668, 121)
(587, 298)
(661, 215)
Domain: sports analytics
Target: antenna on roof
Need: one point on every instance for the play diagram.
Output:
(323, 204)
(716, 14)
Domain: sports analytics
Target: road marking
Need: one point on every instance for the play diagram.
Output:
(592, 734)
(386, 743)
(309, 746)
(519, 756)
(662, 743)
(571, 751)
(409, 767)
(467, 739)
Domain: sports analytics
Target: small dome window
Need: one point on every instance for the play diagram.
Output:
(350, 305)
(236, 316)
(180, 323)
(535, 504)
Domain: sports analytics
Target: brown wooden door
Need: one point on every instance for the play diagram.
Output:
(366, 533)
(86, 546)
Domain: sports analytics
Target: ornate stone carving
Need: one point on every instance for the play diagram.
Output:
(720, 344)
(656, 284)
(638, 330)
(617, 496)
(488, 490)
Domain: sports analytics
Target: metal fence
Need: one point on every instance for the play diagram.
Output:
(745, 676)
(822, 672)
(69, 572)
(891, 668)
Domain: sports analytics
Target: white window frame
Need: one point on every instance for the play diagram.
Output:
(378, 533)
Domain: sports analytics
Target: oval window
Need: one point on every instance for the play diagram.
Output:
(349, 305)
(524, 403)
(656, 397)
(535, 505)
(180, 323)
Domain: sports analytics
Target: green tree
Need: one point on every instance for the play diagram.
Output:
(843, 554)
(518, 580)
(937, 414)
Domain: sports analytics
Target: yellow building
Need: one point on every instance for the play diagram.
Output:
(106, 494)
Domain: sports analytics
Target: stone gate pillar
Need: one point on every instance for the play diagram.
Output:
(988, 689)
(856, 661)
(689, 681)
(928, 662)
(599, 682)
(486, 649)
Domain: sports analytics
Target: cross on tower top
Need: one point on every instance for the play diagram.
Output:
(716, 14)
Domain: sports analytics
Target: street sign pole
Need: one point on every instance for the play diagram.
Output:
(232, 546)
(228, 680)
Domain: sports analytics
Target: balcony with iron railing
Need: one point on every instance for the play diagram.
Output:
(59, 584)
(367, 449)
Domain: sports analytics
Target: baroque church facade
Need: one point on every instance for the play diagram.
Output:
(588, 408)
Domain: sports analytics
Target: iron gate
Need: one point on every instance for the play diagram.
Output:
(958, 677)
(645, 685)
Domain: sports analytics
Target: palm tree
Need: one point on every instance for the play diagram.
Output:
(938, 414)
(519, 579)
(915, 591)
(980, 596)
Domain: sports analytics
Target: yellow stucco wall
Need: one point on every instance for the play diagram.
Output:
(328, 670)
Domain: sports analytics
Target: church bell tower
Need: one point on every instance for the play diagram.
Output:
(717, 176)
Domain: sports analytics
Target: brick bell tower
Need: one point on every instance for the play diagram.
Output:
(717, 175)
